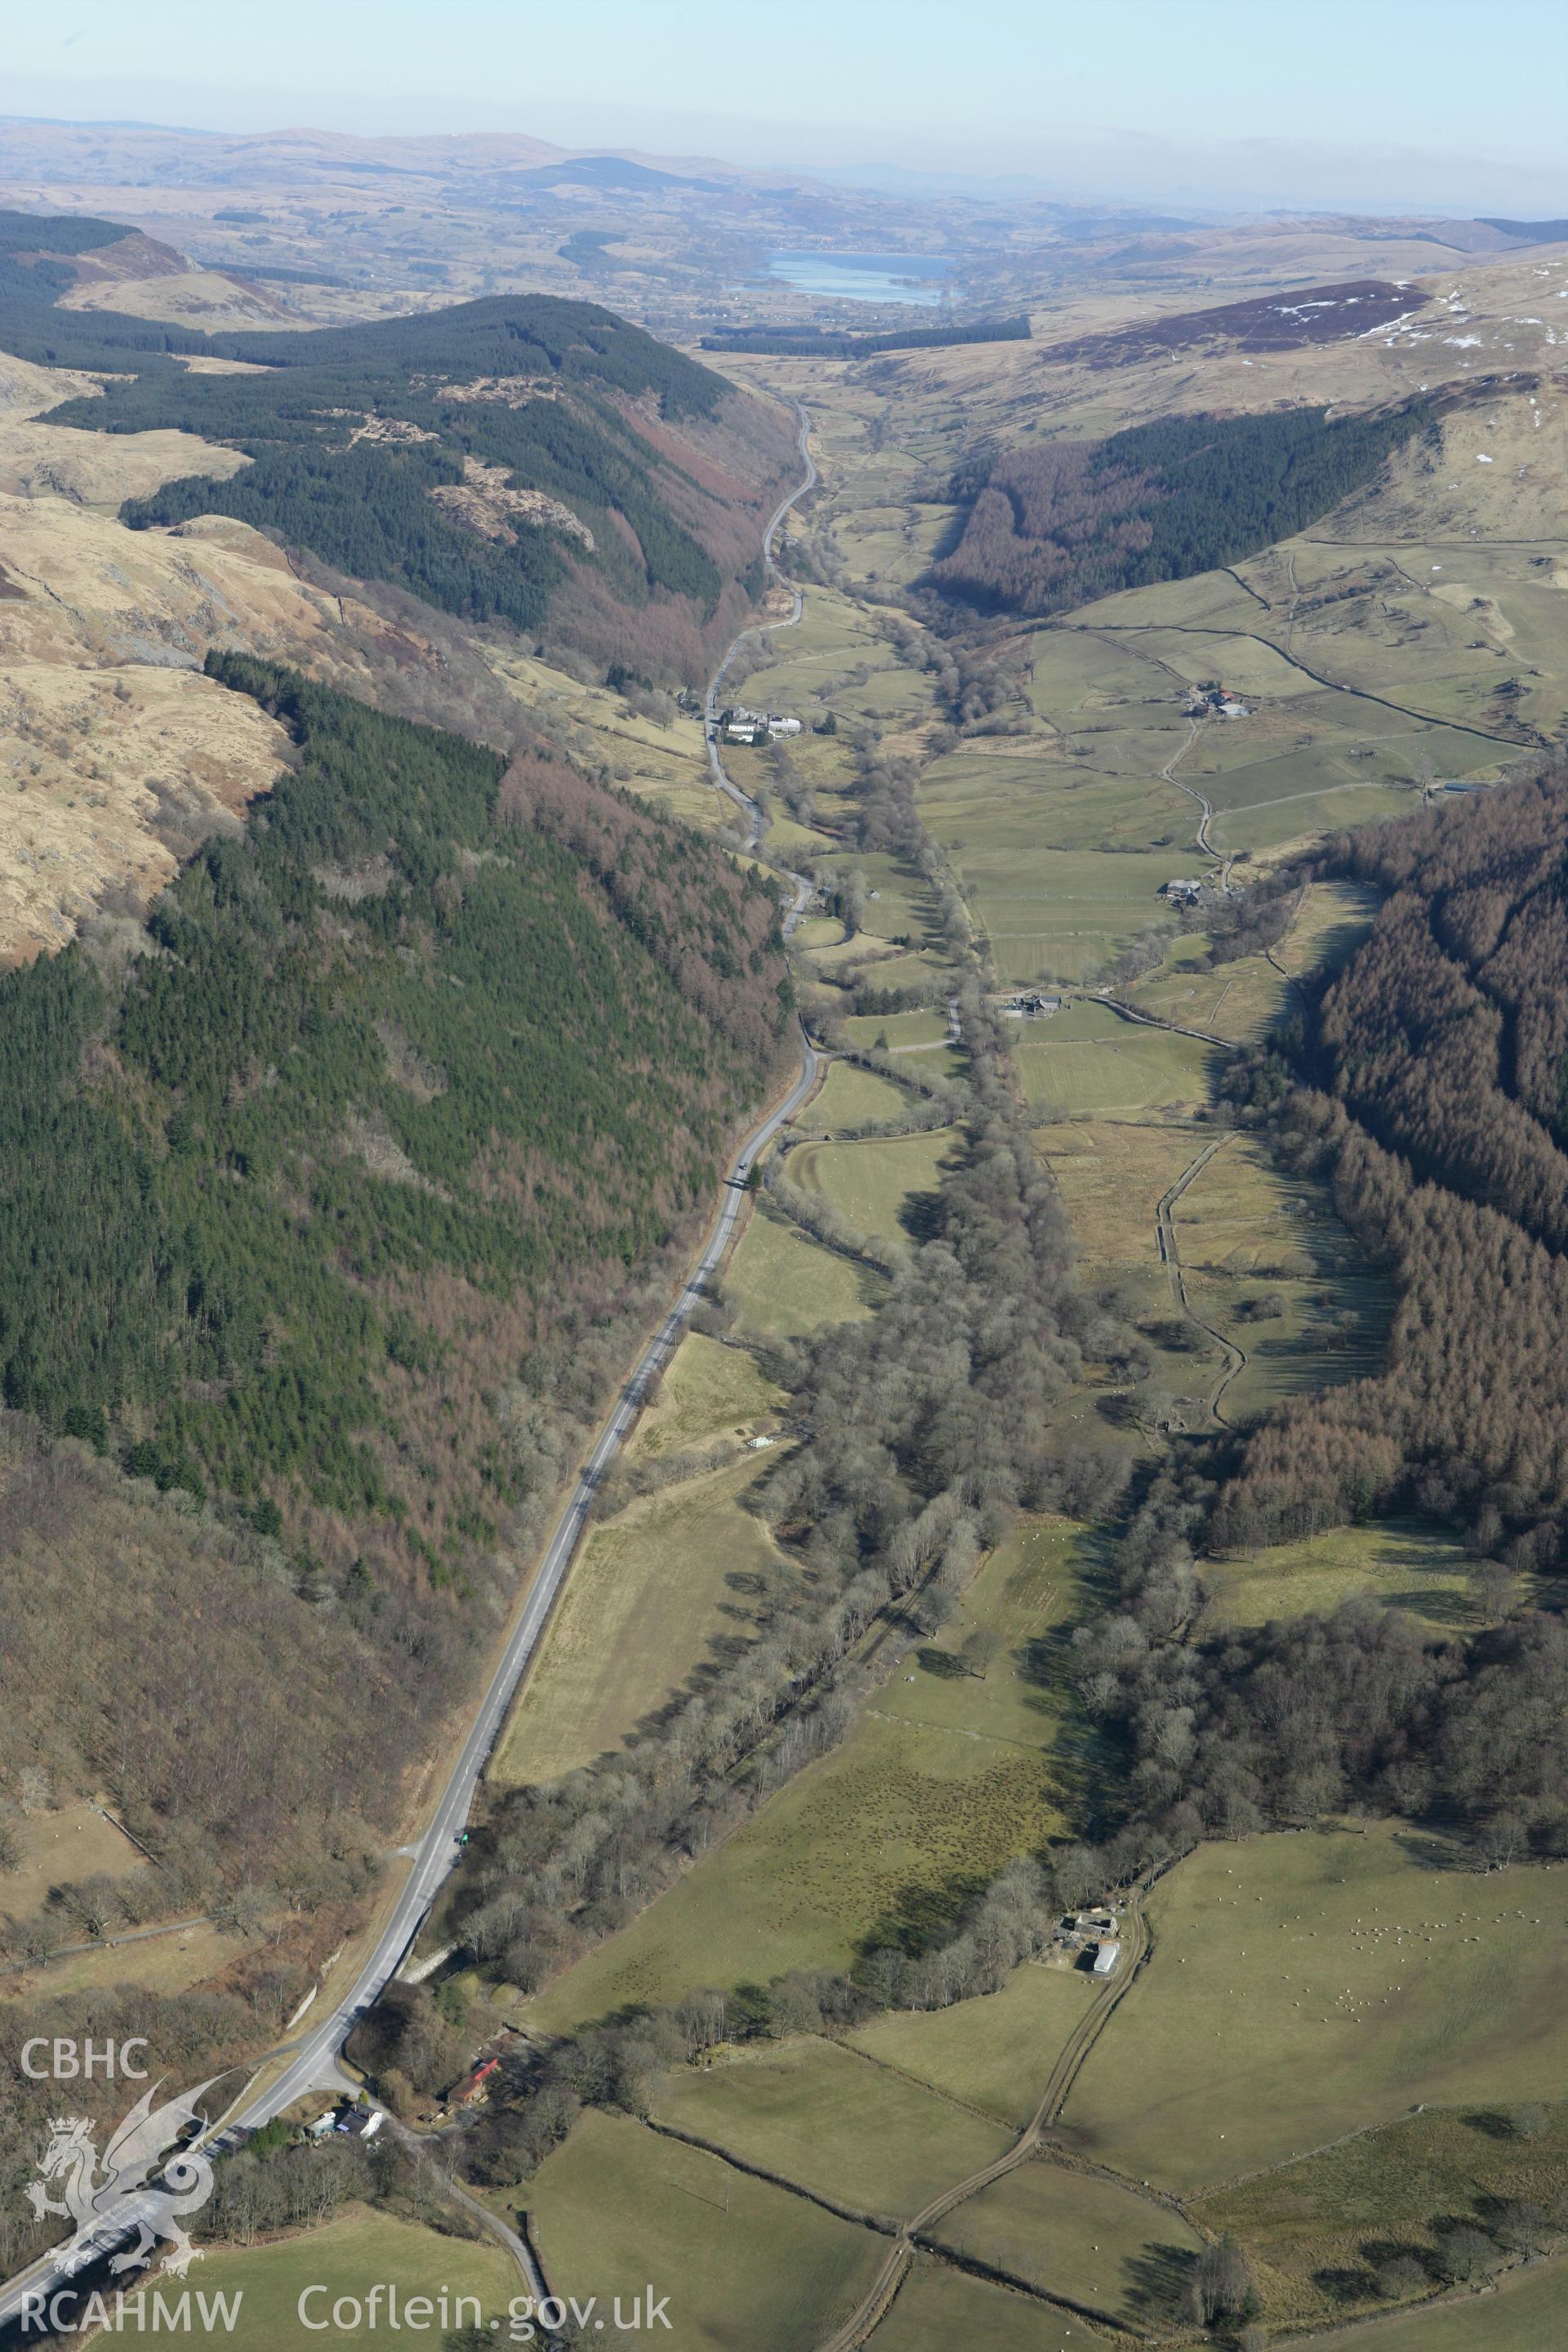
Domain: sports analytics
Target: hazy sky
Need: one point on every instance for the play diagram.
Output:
(1429, 102)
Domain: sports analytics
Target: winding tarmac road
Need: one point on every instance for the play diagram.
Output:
(710, 705)
(312, 2061)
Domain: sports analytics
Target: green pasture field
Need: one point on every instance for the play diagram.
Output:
(1308, 1985)
(785, 1287)
(1088, 1059)
(994, 2052)
(1435, 627)
(650, 1595)
(880, 1183)
(816, 2114)
(896, 1032)
(349, 2255)
(708, 1390)
(901, 909)
(1523, 2313)
(618, 2205)
(938, 2308)
(1239, 1001)
(1025, 1595)
(1242, 1000)
(882, 1840)
(1316, 2230)
(1406, 1567)
(850, 1096)
(947, 1777)
(1081, 2238)
(892, 543)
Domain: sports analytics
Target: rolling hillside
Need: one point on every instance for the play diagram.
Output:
(519, 459)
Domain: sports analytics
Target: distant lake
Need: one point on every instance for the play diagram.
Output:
(865, 277)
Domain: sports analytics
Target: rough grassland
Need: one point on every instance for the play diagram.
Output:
(876, 1184)
(1406, 1566)
(164, 1964)
(994, 2052)
(1305, 1985)
(938, 2308)
(652, 1593)
(1316, 2230)
(62, 1848)
(618, 2205)
(1078, 2237)
(347, 2256)
(709, 1391)
(946, 1777)
(1111, 1176)
(785, 1287)
(1247, 1234)
(818, 2115)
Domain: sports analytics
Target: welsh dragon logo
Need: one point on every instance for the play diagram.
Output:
(156, 2192)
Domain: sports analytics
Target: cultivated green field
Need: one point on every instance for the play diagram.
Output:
(1318, 2231)
(898, 1033)
(785, 1287)
(851, 1097)
(1305, 1985)
(938, 2309)
(947, 1777)
(1523, 2313)
(618, 2205)
(650, 1595)
(994, 2053)
(347, 2256)
(1087, 1060)
(878, 1185)
(1406, 1567)
(1081, 2238)
(818, 2115)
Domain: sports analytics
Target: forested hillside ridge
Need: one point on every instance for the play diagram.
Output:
(332, 1202)
(44, 255)
(1430, 1082)
(1050, 527)
(519, 459)
(1423, 1081)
